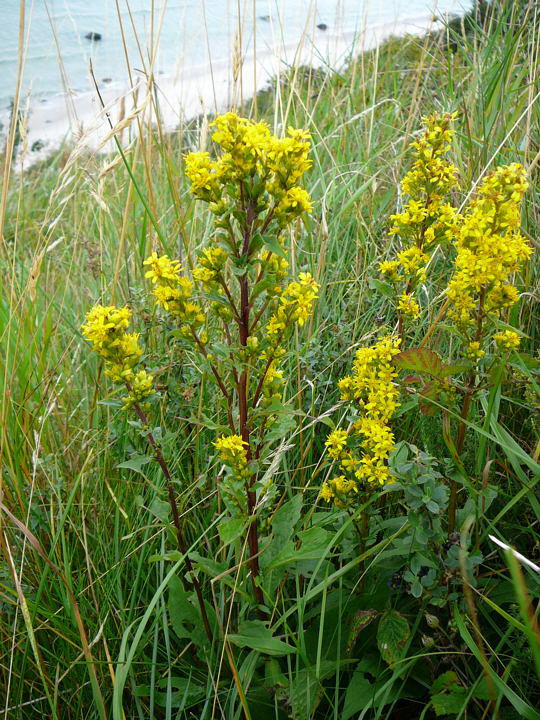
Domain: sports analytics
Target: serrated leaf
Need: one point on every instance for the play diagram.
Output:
(420, 360)
(361, 619)
(392, 635)
(455, 369)
(256, 635)
(428, 392)
(136, 463)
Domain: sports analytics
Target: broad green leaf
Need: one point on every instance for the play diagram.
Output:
(447, 695)
(382, 287)
(306, 690)
(256, 635)
(392, 635)
(184, 616)
(272, 244)
(230, 530)
(313, 543)
(361, 692)
(136, 463)
(361, 619)
(427, 393)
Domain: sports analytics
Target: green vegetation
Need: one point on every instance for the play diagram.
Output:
(393, 602)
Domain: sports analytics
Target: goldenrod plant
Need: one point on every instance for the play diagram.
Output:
(237, 309)
(342, 480)
(428, 218)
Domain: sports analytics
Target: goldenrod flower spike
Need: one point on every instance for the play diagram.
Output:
(362, 451)
(252, 153)
(105, 328)
(427, 218)
(490, 249)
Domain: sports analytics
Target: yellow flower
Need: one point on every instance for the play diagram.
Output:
(162, 269)
(105, 328)
(389, 269)
(489, 248)
(507, 340)
(249, 150)
(296, 305)
(203, 174)
(232, 450)
(335, 442)
(141, 387)
(408, 305)
(426, 219)
(474, 351)
(363, 451)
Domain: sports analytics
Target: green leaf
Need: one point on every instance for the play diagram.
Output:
(455, 369)
(185, 618)
(448, 696)
(428, 392)
(216, 297)
(306, 690)
(273, 245)
(360, 620)
(362, 691)
(392, 635)
(285, 519)
(160, 509)
(136, 463)
(314, 542)
(382, 287)
(230, 530)
(256, 635)
(185, 692)
(420, 360)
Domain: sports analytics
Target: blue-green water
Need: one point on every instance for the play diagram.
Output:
(191, 33)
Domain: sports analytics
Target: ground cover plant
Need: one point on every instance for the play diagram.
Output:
(272, 490)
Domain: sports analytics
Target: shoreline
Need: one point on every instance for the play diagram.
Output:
(79, 120)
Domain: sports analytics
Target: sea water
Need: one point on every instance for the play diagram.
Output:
(194, 45)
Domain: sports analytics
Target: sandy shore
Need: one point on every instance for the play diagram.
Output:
(80, 118)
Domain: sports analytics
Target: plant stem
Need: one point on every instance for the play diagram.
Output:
(464, 414)
(245, 431)
(176, 518)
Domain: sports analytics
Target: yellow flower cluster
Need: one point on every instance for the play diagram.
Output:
(295, 306)
(427, 219)
(212, 261)
(507, 340)
(489, 249)
(268, 167)
(232, 450)
(173, 291)
(408, 305)
(474, 351)
(363, 450)
(272, 385)
(105, 328)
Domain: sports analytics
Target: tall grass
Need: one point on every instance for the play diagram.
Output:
(85, 629)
